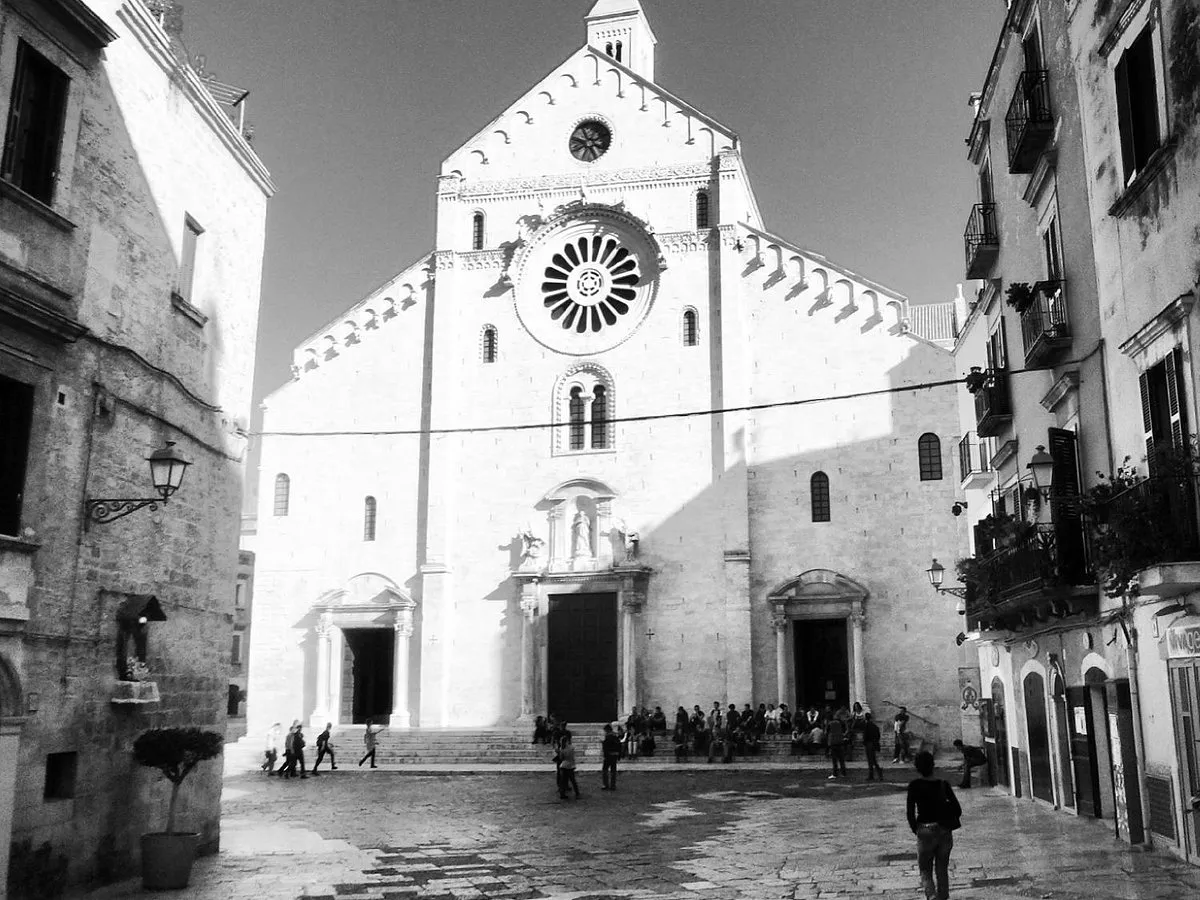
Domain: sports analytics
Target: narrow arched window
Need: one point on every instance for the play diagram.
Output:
(477, 231)
(576, 412)
(702, 209)
(929, 456)
(599, 418)
(369, 519)
(489, 344)
(608, 48)
(819, 486)
(619, 48)
(691, 328)
(283, 487)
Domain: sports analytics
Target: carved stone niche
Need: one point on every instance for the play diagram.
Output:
(580, 526)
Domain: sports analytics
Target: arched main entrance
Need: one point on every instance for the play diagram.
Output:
(363, 634)
(1040, 774)
(819, 619)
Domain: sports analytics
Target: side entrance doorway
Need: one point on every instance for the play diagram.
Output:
(368, 660)
(822, 657)
(581, 657)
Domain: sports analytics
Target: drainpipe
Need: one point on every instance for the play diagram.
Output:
(1139, 744)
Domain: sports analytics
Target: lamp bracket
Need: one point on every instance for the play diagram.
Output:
(961, 593)
(103, 511)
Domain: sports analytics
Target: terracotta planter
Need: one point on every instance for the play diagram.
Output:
(167, 859)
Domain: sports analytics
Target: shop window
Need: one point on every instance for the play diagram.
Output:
(34, 135)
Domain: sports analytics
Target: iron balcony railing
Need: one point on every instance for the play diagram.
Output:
(993, 403)
(975, 457)
(1155, 521)
(1033, 576)
(981, 240)
(1045, 328)
(1029, 121)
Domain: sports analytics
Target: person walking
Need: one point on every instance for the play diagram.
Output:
(325, 748)
(835, 735)
(271, 751)
(871, 739)
(973, 757)
(933, 814)
(370, 739)
(610, 748)
(288, 769)
(566, 767)
(298, 745)
(900, 730)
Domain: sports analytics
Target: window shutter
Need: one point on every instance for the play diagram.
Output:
(1125, 117)
(1003, 361)
(1147, 420)
(1064, 504)
(11, 134)
(1175, 399)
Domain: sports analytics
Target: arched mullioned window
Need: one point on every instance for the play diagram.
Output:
(283, 488)
(490, 344)
(577, 405)
(929, 457)
(608, 48)
(477, 231)
(691, 328)
(702, 218)
(619, 49)
(369, 519)
(599, 418)
(819, 486)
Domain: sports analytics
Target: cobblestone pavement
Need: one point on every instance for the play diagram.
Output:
(707, 833)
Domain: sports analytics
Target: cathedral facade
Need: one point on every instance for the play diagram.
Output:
(611, 443)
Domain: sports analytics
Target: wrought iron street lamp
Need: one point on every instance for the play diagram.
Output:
(937, 574)
(1041, 467)
(167, 468)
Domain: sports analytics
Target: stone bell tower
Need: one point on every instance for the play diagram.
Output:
(620, 29)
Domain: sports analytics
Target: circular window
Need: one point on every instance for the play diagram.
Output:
(590, 140)
(590, 283)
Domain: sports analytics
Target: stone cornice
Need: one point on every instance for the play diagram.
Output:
(81, 19)
(701, 172)
(1168, 319)
(1067, 384)
(154, 40)
(30, 302)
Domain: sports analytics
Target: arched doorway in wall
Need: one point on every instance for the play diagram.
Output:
(1062, 739)
(1089, 740)
(998, 728)
(1041, 776)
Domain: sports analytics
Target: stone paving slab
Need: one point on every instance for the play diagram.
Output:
(722, 834)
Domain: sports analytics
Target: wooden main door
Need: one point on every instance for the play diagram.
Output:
(581, 657)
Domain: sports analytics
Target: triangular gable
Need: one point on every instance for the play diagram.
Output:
(587, 64)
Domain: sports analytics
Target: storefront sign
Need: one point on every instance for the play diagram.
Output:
(1183, 641)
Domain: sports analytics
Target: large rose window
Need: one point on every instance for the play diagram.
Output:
(586, 279)
(590, 283)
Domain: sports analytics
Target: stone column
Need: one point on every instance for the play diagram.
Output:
(630, 604)
(858, 621)
(403, 628)
(780, 621)
(322, 712)
(529, 608)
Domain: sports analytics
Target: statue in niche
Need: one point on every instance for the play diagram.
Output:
(581, 529)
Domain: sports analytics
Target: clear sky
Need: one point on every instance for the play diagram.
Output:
(852, 116)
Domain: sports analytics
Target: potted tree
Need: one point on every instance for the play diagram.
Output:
(167, 856)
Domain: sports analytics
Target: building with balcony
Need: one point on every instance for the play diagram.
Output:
(132, 222)
(1035, 395)
(1138, 71)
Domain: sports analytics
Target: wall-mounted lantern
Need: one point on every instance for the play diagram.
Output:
(167, 468)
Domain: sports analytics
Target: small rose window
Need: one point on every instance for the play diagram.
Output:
(590, 283)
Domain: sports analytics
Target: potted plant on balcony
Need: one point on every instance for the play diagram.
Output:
(1019, 295)
(167, 856)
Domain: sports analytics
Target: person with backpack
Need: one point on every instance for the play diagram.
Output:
(973, 758)
(933, 815)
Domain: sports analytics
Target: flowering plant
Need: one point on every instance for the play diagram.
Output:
(136, 670)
